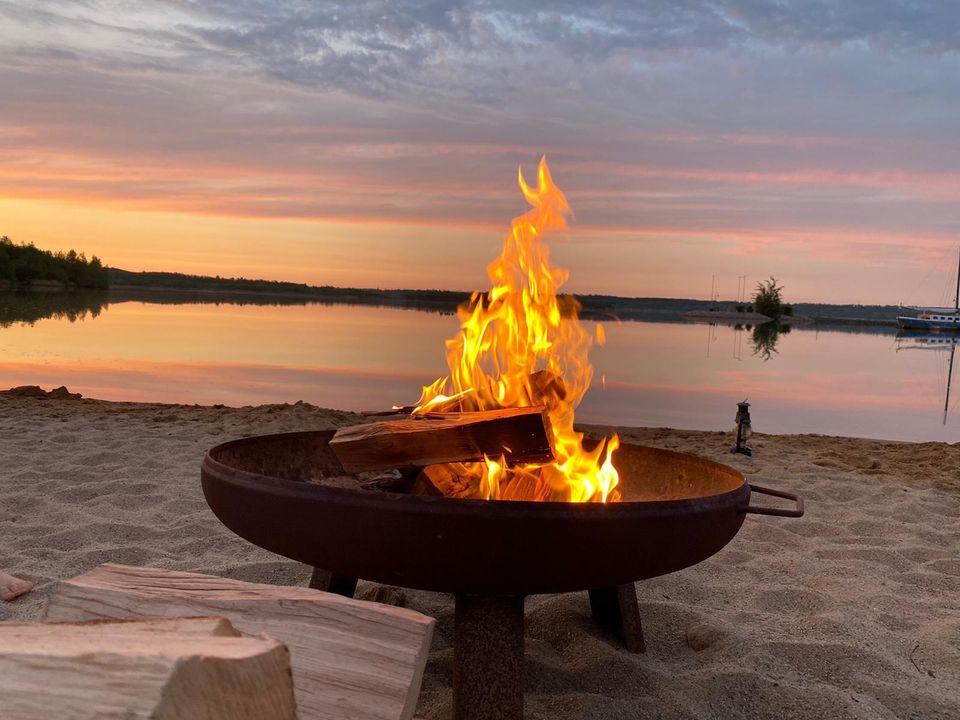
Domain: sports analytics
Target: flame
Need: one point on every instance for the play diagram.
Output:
(522, 345)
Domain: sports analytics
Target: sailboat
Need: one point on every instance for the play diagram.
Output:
(935, 319)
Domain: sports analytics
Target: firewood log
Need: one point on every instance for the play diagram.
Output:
(452, 404)
(349, 658)
(520, 435)
(444, 480)
(545, 385)
(377, 480)
(180, 669)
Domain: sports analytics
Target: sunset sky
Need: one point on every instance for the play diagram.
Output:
(377, 143)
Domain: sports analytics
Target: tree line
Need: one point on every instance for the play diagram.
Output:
(22, 265)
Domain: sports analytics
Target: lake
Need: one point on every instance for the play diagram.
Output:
(676, 374)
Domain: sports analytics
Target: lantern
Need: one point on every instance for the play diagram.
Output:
(743, 429)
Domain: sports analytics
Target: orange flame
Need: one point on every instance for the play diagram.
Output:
(521, 345)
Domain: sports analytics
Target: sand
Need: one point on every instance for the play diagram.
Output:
(851, 612)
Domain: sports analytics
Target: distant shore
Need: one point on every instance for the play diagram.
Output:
(752, 318)
(594, 306)
(164, 287)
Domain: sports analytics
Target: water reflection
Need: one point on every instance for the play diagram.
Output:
(239, 351)
(926, 341)
(765, 337)
(938, 342)
(29, 307)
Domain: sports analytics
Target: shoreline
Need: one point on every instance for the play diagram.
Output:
(852, 611)
(364, 415)
(594, 307)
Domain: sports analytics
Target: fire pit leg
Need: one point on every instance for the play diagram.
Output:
(488, 658)
(617, 608)
(333, 582)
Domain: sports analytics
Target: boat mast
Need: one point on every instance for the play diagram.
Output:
(956, 297)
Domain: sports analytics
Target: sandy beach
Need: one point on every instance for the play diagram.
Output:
(850, 612)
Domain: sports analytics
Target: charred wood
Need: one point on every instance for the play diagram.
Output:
(519, 435)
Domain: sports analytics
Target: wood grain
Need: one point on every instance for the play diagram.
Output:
(518, 434)
(181, 669)
(350, 659)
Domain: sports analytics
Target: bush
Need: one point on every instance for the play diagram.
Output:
(768, 299)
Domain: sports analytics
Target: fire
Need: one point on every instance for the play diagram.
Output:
(521, 345)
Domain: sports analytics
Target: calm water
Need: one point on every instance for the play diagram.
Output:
(866, 384)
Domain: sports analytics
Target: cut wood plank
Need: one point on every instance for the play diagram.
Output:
(518, 434)
(350, 659)
(182, 669)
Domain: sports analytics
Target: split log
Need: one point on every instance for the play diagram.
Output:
(452, 480)
(349, 658)
(518, 434)
(182, 669)
(400, 410)
(444, 480)
(377, 481)
(546, 385)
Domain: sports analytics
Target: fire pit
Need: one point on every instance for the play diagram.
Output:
(503, 497)
(675, 511)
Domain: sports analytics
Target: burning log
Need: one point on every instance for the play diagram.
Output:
(443, 480)
(460, 481)
(546, 385)
(454, 403)
(518, 434)
(448, 405)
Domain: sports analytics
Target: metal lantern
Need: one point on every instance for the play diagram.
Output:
(743, 429)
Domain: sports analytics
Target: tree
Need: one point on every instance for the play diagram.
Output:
(8, 275)
(768, 300)
(22, 264)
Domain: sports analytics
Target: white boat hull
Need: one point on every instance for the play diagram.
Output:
(912, 323)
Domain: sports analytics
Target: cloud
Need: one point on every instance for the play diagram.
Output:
(887, 25)
(477, 50)
(725, 119)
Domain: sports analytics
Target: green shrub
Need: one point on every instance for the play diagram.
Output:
(768, 300)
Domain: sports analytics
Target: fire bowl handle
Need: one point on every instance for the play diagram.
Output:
(794, 513)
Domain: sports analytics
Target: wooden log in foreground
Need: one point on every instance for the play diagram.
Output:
(183, 669)
(349, 658)
(518, 434)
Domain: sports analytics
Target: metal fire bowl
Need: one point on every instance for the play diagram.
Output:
(676, 511)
